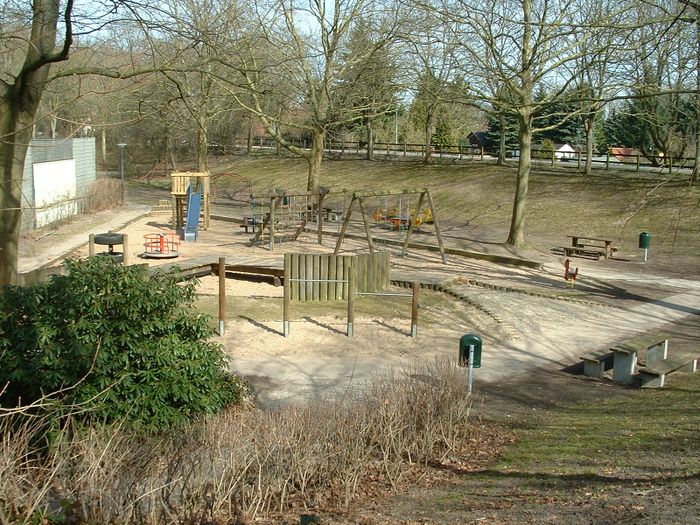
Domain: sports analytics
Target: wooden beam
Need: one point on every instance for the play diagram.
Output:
(365, 220)
(437, 227)
(387, 193)
(411, 223)
(344, 228)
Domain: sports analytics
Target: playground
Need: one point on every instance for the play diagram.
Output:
(531, 317)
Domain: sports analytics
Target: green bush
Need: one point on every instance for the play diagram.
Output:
(545, 151)
(114, 341)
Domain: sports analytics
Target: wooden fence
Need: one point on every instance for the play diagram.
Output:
(316, 277)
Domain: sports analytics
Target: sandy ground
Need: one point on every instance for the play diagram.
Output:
(529, 319)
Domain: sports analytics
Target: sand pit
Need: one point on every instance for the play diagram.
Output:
(528, 318)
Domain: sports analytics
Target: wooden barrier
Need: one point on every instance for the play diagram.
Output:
(315, 277)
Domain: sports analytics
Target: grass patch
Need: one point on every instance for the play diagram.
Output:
(650, 430)
(614, 204)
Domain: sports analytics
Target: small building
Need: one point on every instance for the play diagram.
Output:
(480, 139)
(564, 151)
(625, 154)
(57, 180)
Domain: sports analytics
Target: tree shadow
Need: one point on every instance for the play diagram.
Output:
(322, 325)
(261, 325)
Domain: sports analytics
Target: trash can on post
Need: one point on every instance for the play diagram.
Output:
(645, 240)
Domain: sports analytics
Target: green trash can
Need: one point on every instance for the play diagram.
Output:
(465, 342)
(645, 240)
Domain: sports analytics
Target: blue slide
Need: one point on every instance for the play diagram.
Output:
(194, 207)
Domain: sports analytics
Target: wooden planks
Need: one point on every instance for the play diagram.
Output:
(315, 277)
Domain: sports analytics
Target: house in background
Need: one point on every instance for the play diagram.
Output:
(625, 154)
(564, 152)
(480, 139)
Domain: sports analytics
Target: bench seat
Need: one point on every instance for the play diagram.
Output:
(654, 375)
(570, 251)
(596, 363)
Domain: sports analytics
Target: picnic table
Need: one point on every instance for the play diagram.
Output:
(590, 246)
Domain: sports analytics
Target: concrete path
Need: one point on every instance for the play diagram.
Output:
(56, 244)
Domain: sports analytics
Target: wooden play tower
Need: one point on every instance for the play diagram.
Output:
(181, 181)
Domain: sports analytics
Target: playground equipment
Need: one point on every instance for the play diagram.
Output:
(395, 217)
(288, 210)
(309, 277)
(110, 239)
(185, 185)
(161, 246)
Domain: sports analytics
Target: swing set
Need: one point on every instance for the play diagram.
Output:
(398, 218)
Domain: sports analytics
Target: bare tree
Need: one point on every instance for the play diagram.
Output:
(522, 47)
(21, 89)
(292, 63)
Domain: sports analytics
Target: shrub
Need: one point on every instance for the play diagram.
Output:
(545, 151)
(114, 341)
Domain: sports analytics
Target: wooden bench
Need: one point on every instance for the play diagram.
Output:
(653, 375)
(251, 222)
(593, 247)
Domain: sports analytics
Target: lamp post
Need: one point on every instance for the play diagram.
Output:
(121, 147)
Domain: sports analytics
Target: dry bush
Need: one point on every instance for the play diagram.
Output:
(244, 464)
(103, 194)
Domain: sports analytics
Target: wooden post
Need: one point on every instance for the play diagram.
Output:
(670, 164)
(126, 255)
(460, 151)
(607, 161)
(222, 295)
(411, 223)
(437, 228)
(578, 159)
(272, 224)
(637, 161)
(481, 150)
(404, 149)
(319, 222)
(351, 301)
(414, 309)
(286, 295)
(91, 244)
(365, 219)
(344, 228)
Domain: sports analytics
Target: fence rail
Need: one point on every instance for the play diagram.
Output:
(475, 152)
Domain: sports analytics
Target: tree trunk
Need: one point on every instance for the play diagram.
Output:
(315, 158)
(370, 139)
(202, 147)
(12, 155)
(516, 236)
(103, 144)
(18, 106)
(502, 141)
(695, 175)
(590, 123)
(427, 137)
(249, 143)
